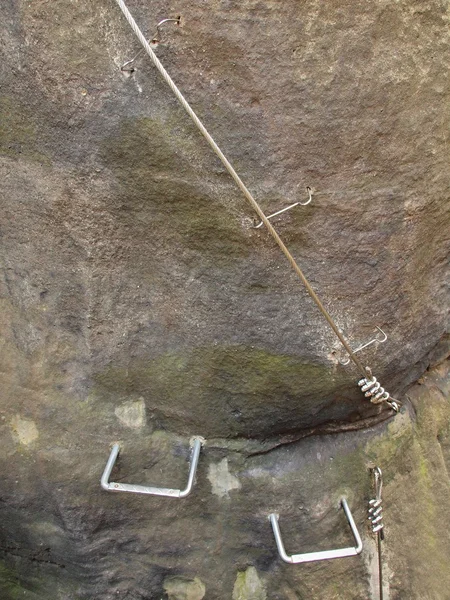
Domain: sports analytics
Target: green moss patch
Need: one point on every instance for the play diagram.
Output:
(228, 388)
(159, 195)
(18, 131)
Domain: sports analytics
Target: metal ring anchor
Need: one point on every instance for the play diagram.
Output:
(260, 224)
(324, 554)
(373, 341)
(156, 39)
(154, 491)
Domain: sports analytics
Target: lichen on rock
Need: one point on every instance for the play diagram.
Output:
(179, 588)
(248, 586)
(24, 430)
(222, 481)
(132, 414)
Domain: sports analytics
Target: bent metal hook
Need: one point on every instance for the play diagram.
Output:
(308, 189)
(372, 341)
(156, 39)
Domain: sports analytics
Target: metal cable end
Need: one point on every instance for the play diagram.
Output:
(372, 389)
(375, 505)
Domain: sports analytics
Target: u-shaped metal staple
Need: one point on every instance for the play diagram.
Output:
(143, 489)
(324, 554)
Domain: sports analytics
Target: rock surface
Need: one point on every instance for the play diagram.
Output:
(140, 305)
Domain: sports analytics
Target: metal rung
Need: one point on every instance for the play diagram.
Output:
(323, 555)
(112, 486)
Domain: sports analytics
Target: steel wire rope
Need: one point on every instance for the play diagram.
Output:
(229, 167)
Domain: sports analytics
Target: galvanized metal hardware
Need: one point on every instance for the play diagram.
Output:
(376, 520)
(156, 39)
(375, 340)
(324, 554)
(372, 389)
(112, 486)
(375, 505)
(308, 189)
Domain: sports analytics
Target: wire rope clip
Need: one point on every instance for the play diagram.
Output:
(324, 554)
(375, 505)
(112, 486)
(156, 39)
(308, 189)
(372, 389)
(376, 339)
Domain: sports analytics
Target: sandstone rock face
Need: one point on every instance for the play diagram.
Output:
(140, 305)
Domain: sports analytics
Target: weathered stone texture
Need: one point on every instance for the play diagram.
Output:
(138, 303)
